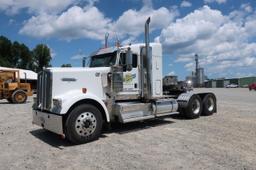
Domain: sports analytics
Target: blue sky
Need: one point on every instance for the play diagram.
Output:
(221, 32)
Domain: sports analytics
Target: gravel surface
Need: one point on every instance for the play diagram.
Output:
(226, 140)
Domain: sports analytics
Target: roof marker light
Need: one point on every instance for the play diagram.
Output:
(84, 90)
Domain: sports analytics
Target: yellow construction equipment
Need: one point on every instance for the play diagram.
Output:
(12, 89)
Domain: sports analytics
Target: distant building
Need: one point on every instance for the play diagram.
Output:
(197, 78)
(245, 81)
(222, 82)
(200, 77)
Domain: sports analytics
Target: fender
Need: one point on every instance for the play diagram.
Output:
(74, 96)
(183, 99)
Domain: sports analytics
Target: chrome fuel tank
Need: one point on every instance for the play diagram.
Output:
(165, 106)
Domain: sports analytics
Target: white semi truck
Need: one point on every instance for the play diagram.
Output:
(122, 84)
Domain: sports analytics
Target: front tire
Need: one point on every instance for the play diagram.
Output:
(194, 107)
(19, 96)
(84, 124)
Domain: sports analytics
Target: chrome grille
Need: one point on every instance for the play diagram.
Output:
(44, 90)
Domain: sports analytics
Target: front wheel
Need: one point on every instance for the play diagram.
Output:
(83, 124)
(19, 96)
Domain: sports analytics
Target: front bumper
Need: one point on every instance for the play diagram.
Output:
(49, 121)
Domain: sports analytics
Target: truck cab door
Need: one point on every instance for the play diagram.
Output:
(130, 78)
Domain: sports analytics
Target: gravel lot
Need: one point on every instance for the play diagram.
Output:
(226, 140)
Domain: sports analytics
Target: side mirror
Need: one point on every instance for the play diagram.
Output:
(128, 58)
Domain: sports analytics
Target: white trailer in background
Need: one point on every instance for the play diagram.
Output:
(122, 84)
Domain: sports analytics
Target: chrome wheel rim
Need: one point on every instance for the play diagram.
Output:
(196, 106)
(85, 124)
(210, 104)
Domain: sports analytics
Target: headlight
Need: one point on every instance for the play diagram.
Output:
(57, 102)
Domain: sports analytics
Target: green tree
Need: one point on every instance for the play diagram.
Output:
(5, 51)
(18, 55)
(15, 53)
(25, 61)
(66, 65)
(21, 56)
(41, 57)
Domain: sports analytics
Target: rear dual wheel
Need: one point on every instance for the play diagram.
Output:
(209, 104)
(197, 107)
(194, 107)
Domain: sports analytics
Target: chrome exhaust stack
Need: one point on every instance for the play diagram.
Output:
(147, 36)
(143, 58)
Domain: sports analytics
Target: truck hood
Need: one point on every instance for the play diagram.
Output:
(78, 69)
(65, 80)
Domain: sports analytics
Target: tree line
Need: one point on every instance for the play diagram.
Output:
(18, 55)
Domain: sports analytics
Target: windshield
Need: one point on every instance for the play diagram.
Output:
(103, 60)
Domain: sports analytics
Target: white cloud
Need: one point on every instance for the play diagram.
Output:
(14, 6)
(247, 7)
(131, 22)
(189, 29)
(172, 73)
(223, 43)
(74, 23)
(11, 21)
(78, 56)
(40, 6)
(185, 4)
(217, 1)
(250, 25)
(89, 22)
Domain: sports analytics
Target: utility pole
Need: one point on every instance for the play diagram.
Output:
(196, 71)
(106, 40)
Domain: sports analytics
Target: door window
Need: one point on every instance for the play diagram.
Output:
(122, 60)
(134, 60)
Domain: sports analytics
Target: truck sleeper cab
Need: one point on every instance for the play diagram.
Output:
(121, 84)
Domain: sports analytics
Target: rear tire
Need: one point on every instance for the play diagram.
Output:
(194, 107)
(209, 105)
(83, 124)
(19, 96)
